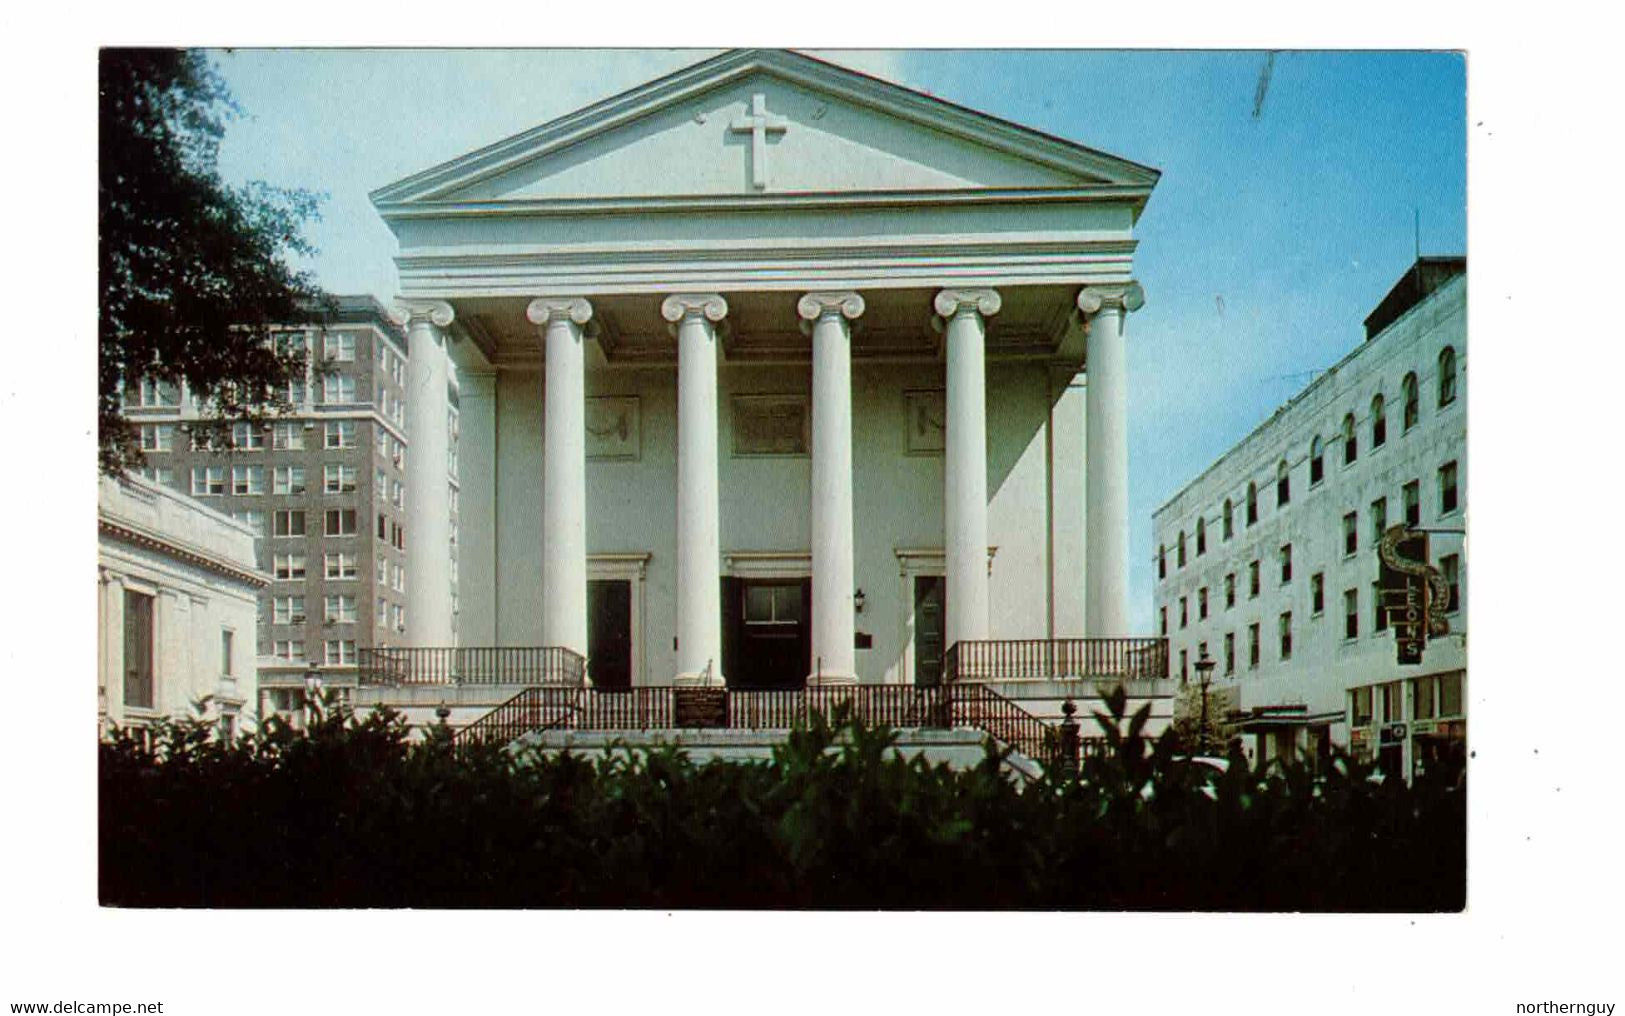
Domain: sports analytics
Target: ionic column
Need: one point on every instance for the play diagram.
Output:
(1106, 459)
(965, 313)
(699, 544)
(564, 471)
(428, 503)
(833, 622)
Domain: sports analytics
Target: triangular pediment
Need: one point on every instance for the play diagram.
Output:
(764, 123)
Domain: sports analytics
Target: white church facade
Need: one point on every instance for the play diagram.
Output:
(772, 375)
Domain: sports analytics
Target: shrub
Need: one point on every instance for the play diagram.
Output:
(354, 813)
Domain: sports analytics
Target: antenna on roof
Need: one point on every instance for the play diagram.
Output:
(1416, 230)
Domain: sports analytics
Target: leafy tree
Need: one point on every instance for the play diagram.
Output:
(194, 273)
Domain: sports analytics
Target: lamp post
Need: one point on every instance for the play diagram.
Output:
(1204, 673)
(313, 688)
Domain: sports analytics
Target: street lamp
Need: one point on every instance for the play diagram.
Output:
(1204, 673)
(313, 688)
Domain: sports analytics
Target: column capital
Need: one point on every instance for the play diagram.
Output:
(813, 306)
(544, 310)
(687, 305)
(951, 302)
(1128, 297)
(406, 313)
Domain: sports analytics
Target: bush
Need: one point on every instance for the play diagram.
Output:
(353, 813)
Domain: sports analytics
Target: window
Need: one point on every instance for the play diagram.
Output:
(383, 442)
(383, 526)
(1379, 610)
(1286, 635)
(1162, 561)
(399, 579)
(1181, 548)
(340, 565)
(1447, 488)
(381, 572)
(1379, 519)
(1413, 503)
(1286, 563)
(208, 481)
(380, 482)
(1351, 613)
(288, 610)
(157, 437)
(1184, 665)
(1447, 376)
(1283, 485)
(1413, 404)
(1360, 707)
(1392, 702)
(338, 346)
(773, 605)
(288, 522)
(295, 392)
(397, 494)
(164, 476)
(1229, 524)
(1317, 461)
(1317, 593)
(1252, 502)
(340, 653)
(1351, 534)
(339, 434)
(1379, 422)
(248, 437)
(1201, 537)
(382, 617)
(338, 479)
(1229, 590)
(288, 480)
(400, 616)
(1201, 604)
(248, 479)
(340, 522)
(1422, 704)
(289, 566)
(340, 608)
(1351, 441)
(338, 389)
(292, 343)
(254, 517)
(1162, 621)
(159, 394)
(1230, 652)
(1252, 646)
(398, 536)
(1450, 694)
(1184, 612)
(289, 650)
(1450, 570)
(287, 436)
(1252, 580)
(228, 666)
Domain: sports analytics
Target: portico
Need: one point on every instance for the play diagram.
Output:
(794, 340)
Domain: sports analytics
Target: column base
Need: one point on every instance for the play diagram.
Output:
(699, 680)
(831, 679)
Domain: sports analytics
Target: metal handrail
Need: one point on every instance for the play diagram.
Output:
(553, 666)
(1056, 659)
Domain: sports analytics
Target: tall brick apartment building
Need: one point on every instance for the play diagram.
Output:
(325, 488)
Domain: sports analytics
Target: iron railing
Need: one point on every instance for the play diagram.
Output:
(552, 666)
(1056, 659)
(531, 710)
(894, 705)
(986, 710)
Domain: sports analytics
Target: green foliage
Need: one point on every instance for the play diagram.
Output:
(193, 272)
(353, 813)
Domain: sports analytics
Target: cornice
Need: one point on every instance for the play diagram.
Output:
(150, 541)
(810, 200)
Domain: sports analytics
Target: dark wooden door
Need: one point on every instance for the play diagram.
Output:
(930, 598)
(137, 650)
(609, 633)
(767, 640)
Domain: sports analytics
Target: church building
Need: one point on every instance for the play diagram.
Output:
(771, 375)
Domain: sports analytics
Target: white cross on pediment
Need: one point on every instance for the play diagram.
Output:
(759, 124)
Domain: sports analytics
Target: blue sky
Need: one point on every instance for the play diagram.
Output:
(1264, 246)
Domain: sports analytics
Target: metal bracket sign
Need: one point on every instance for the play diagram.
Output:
(1414, 593)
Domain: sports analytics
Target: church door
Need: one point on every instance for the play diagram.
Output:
(767, 638)
(930, 596)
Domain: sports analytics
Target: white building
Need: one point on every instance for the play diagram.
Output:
(774, 374)
(1267, 561)
(176, 613)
